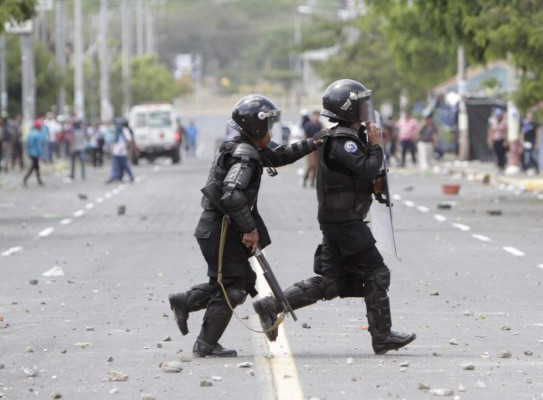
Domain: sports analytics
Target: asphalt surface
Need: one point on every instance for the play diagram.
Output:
(468, 282)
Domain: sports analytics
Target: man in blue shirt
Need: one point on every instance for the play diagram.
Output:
(34, 148)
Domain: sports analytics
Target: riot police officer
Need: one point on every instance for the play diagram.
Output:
(232, 188)
(347, 262)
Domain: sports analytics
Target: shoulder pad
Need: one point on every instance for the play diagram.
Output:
(245, 150)
(322, 134)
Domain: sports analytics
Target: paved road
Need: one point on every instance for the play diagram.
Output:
(468, 283)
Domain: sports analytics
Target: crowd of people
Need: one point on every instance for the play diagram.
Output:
(64, 138)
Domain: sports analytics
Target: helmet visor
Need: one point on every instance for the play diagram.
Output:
(273, 118)
(365, 102)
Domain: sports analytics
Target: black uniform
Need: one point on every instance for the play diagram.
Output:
(237, 170)
(347, 262)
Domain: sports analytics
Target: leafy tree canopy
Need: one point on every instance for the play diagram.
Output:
(16, 10)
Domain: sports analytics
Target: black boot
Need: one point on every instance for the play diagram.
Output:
(184, 303)
(202, 349)
(266, 309)
(178, 304)
(216, 319)
(383, 342)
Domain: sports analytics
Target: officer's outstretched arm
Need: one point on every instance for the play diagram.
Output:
(284, 155)
(235, 200)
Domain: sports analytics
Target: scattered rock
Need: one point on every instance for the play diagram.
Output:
(206, 383)
(216, 378)
(31, 371)
(159, 345)
(494, 213)
(56, 395)
(528, 352)
(186, 358)
(83, 196)
(245, 364)
(306, 326)
(29, 350)
(146, 396)
(113, 390)
(467, 313)
(527, 380)
(505, 354)
(404, 364)
(506, 328)
(109, 358)
(89, 328)
(434, 294)
(121, 210)
(480, 384)
(83, 345)
(461, 388)
(171, 366)
(349, 361)
(423, 386)
(442, 392)
(167, 339)
(116, 376)
(54, 272)
(468, 367)
(33, 281)
(453, 342)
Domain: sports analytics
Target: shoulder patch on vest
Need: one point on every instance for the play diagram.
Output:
(350, 146)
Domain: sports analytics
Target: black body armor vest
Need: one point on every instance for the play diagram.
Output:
(341, 196)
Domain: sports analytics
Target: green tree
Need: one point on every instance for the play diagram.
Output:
(16, 10)
(151, 81)
(489, 30)
(47, 77)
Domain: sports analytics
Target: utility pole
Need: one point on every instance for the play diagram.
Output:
(3, 81)
(139, 28)
(29, 80)
(149, 30)
(79, 87)
(463, 133)
(60, 47)
(125, 25)
(106, 111)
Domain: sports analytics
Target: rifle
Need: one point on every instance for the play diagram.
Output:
(214, 193)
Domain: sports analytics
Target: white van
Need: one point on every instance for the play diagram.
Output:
(155, 131)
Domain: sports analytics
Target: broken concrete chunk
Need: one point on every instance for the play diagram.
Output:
(116, 376)
(171, 366)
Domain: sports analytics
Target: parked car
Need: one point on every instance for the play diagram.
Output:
(155, 130)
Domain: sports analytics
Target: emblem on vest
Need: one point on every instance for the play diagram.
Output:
(350, 147)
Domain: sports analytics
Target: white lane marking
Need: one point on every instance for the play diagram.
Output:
(396, 197)
(107, 195)
(89, 206)
(46, 232)
(462, 227)
(480, 237)
(65, 221)
(12, 250)
(440, 217)
(423, 209)
(282, 363)
(99, 200)
(116, 191)
(408, 203)
(540, 266)
(78, 213)
(512, 250)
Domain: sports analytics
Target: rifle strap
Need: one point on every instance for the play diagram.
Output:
(224, 230)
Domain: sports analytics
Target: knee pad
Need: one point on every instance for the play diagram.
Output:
(236, 296)
(382, 277)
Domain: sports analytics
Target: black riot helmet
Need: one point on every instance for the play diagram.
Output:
(254, 115)
(346, 100)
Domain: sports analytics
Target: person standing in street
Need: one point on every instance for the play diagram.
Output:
(528, 141)
(17, 144)
(78, 146)
(426, 141)
(234, 179)
(311, 127)
(191, 133)
(347, 263)
(53, 131)
(497, 137)
(407, 131)
(119, 151)
(34, 148)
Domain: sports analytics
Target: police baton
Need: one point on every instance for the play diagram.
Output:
(272, 281)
